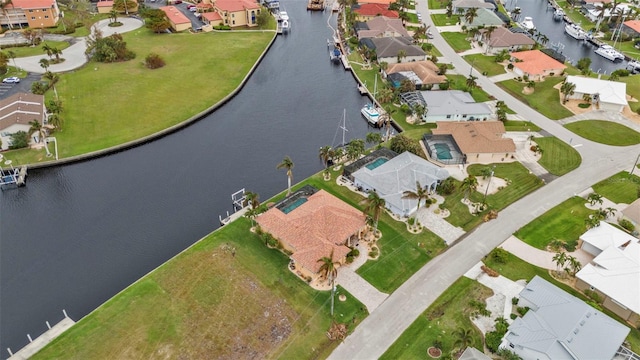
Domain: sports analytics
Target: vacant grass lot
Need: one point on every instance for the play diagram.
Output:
(450, 312)
(558, 157)
(458, 41)
(605, 132)
(486, 65)
(212, 302)
(620, 188)
(545, 99)
(564, 222)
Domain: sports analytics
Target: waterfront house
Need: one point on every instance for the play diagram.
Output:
(478, 141)
(424, 74)
(631, 28)
(389, 49)
(381, 2)
(312, 224)
(453, 105)
(237, 13)
(177, 20)
(36, 14)
(485, 18)
(17, 111)
(535, 64)
(560, 326)
(381, 26)
(605, 94)
(366, 12)
(502, 39)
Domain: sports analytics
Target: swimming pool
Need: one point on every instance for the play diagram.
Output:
(377, 162)
(442, 151)
(290, 207)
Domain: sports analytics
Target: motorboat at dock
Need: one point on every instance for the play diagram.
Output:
(609, 53)
(575, 31)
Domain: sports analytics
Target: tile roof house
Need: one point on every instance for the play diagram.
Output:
(178, 21)
(236, 13)
(485, 18)
(320, 225)
(615, 276)
(382, 26)
(422, 73)
(598, 238)
(17, 111)
(212, 18)
(559, 326)
(383, 2)
(104, 7)
(535, 64)
(632, 212)
(32, 13)
(479, 141)
(502, 39)
(397, 175)
(612, 95)
(388, 49)
(366, 12)
(631, 27)
(453, 105)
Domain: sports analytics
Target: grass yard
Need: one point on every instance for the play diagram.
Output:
(450, 312)
(443, 20)
(564, 222)
(458, 41)
(605, 132)
(437, 4)
(485, 64)
(558, 157)
(516, 269)
(514, 125)
(24, 51)
(459, 82)
(633, 89)
(620, 188)
(212, 302)
(545, 99)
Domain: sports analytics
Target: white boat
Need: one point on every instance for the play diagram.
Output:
(371, 113)
(285, 25)
(527, 23)
(609, 53)
(634, 66)
(558, 14)
(284, 16)
(575, 31)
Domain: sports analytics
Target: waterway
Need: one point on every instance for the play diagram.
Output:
(78, 234)
(573, 49)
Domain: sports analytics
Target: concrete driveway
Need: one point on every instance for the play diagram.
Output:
(74, 55)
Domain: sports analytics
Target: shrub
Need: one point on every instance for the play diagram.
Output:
(447, 187)
(594, 305)
(374, 252)
(154, 61)
(411, 221)
(513, 316)
(584, 106)
(492, 340)
(514, 300)
(19, 140)
(500, 256)
(593, 295)
(620, 73)
(626, 224)
(354, 253)
(522, 310)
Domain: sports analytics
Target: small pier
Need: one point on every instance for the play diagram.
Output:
(41, 341)
(315, 5)
(238, 199)
(12, 176)
(345, 62)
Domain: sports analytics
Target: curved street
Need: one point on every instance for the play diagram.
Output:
(384, 325)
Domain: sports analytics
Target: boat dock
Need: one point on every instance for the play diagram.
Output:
(12, 175)
(315, 5)
(41, 341)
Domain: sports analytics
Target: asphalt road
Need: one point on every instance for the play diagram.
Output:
(24, 86)
(383, 327)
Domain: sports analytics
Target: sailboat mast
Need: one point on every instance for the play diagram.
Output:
(344, 125)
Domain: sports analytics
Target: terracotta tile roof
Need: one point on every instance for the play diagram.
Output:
(477, 136)
(426, 70)
(204, 6)
(21, 108)
(211, 16)
(376, 9)
(104, 4)
(174, 15)
(385, 2)
(535, 62)
(633, 24)
(313, 229)
(236, 5)
(33, 4)
(502, 37)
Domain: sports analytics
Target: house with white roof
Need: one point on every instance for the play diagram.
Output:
(391, 178)
(559, 326)
(615, 276)
(601, 237)
(607, 95)
(453, 105)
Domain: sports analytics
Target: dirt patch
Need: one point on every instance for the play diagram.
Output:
(528, 91)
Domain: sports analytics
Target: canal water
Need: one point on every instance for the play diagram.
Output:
(573, 49)
(78, 234)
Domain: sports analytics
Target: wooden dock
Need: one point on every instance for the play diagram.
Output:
(345, 62)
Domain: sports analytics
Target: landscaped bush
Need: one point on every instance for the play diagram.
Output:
(626, 224)
(154, 61)
(19, 140)
(447, 187)
(352, 255)
(522, 310)
(500, 256)
(492, 340)
(593, 295)
(584, 106)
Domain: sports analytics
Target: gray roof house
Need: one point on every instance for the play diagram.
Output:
(469, 4)
(559, 326)
(382, 26)
(387, 49)
(485, 18)
(503, 39)
(392, 178)
(454, 105)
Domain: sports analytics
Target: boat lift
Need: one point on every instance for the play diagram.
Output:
(10, 175)
(238, 199)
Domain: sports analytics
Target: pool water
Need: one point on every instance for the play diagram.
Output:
(289, 208)
(377, 162)
(443, 152)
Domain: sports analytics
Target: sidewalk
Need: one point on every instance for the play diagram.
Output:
(537, 257)
(602, 115)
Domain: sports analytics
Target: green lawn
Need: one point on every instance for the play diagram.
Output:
(459, 82)
(513, 125)
(485, 64)
(620, 188)
(458, 41)
(24, 51)
(99, 101)
(564, 222)
(210, 302)
(443, 20)
(517, 269)
(633, 89)
(558, 157)
(605, 132)
(545, 99)
(447, 314)
(437, 4)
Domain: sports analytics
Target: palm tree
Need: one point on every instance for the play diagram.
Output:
(12, 56)
(374, 204)
(253, 199)
(421, 193)
(53, 79)
(573, 265)
(449, 11)
(470, 15)
(329, 271)
(610, 211)
(55, 120)
(471, 82)
(355, 148)
(464, 338)
(469, 185)
(56, 52)
(385, 95)
(568, 89)
(401, 55)
(113, 14)
(44, 63)
(373, 138)
(560, 258)
(325, 154)
(47, 49)
(544, 39)
(4, 6)
(594, 198)
(287, 164)
(602, 10)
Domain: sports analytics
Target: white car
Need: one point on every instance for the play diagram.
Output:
(11, 80)
(193, 9)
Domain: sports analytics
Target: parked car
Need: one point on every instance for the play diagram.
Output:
(193, 9)
(11, 80)
(191, 6)
(429, 35)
